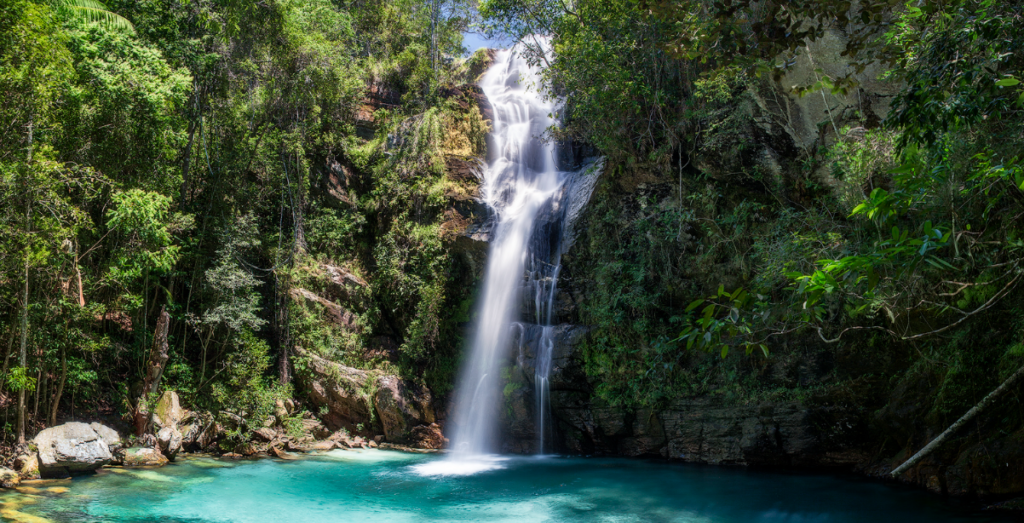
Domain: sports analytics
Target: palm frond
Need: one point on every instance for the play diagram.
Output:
(94, 11)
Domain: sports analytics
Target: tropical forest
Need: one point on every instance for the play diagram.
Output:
(703, 261)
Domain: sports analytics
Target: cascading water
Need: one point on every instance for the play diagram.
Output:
(529, 198)
(519, 184)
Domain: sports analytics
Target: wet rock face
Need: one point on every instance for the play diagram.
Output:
(69, 449)
(701, 430)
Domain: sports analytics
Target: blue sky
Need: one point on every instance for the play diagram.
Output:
(474, 41)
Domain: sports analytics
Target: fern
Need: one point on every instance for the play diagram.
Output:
(95, 12)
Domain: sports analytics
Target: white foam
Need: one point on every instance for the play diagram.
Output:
(466, 466)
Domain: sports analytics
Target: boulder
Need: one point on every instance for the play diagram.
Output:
(169, 441)
(108, 435)
(168, 411)
(70, 449)
(9, 478)
(143, 457)
(427, 437)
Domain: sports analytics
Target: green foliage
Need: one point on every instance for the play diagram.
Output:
(244, 388)
(96, 12)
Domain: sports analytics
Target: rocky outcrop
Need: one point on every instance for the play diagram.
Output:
(335, 314)
(349, 396)
(71, 448)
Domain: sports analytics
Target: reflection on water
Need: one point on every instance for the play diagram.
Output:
(390, 486)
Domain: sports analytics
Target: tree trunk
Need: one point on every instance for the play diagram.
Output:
(78, 276)
(154, 371)
(935, 443)
(23, 351)
(283, 339)
(40, 387)
(60, 387)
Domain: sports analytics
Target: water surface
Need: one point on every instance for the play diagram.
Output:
(368, 486)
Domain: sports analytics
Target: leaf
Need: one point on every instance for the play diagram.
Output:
(764, 349)
(708, 311)
(721, 290)
(694, 304)
(725, 351)
(1008, 82)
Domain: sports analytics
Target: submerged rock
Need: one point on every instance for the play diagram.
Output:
(70, 449)
(144, 457)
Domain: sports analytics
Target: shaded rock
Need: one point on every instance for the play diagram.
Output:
(169, 441)
(27, 466)
(143, 457)
(400, 407)
(247, 449)
(314, 428)
(427, 437)
(9, 478)
(337, 182)
(69, 449)
(372, 444)
(200, 432)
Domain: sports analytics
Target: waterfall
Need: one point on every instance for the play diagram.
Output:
(520, 183)
(531, 201)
